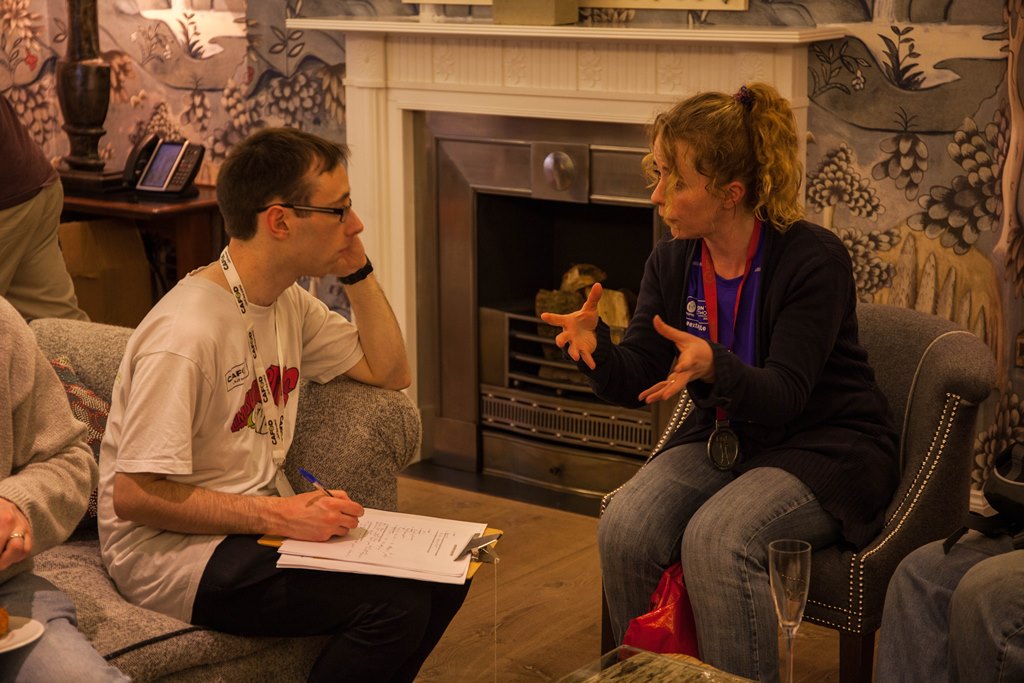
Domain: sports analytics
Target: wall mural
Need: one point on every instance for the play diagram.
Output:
(914, 153)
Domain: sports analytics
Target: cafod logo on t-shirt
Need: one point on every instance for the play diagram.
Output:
(236, 376)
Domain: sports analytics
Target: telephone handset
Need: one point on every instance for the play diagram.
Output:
(159, 167)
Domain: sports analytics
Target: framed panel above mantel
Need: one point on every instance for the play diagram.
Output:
(716, 5)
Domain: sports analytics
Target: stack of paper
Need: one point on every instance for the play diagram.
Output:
(392, 544)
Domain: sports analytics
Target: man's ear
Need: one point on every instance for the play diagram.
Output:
(277, 222)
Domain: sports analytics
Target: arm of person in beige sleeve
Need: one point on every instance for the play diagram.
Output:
(46, 466)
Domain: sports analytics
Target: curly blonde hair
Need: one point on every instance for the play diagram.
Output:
(748, 137)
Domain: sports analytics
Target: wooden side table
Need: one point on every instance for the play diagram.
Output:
(193, 222)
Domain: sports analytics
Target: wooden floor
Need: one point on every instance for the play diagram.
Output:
(536, 615)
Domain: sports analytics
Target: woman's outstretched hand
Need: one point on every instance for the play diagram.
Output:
(577, 336)
(694, 361)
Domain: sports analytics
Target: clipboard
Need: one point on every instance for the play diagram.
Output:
(474, 565)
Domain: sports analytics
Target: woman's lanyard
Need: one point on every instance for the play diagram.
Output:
(273, 417)
(723, 444)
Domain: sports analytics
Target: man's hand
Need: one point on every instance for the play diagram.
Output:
(316, 517)
(578, 328)
(353, 258)
(15, 532)
(695, 361)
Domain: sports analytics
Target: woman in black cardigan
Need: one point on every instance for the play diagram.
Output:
(753, 312)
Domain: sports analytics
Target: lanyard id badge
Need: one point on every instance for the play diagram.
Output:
(723, 444)
(273, 417)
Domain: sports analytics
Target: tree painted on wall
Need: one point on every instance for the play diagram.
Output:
(1008, 426)
(1011, 243)
(244, 118)
(972, 204)
(837, 182)
(906, 157)
(870, 273)
(29, 82)
(1004, 431)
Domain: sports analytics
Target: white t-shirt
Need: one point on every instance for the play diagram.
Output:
(185, 404)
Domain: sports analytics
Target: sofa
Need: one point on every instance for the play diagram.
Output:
(354, 436)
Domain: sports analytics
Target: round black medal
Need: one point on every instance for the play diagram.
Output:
(723, 448)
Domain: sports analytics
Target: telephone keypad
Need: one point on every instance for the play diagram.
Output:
(184, 169)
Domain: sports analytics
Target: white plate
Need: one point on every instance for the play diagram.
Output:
(23, 631)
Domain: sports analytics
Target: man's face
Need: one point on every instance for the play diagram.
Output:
(330, 245)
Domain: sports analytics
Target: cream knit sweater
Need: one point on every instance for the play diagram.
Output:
(46, 467)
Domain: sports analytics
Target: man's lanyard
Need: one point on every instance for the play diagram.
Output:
(723, 444)
(273, 417)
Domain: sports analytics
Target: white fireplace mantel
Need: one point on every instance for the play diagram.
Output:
(620, 74)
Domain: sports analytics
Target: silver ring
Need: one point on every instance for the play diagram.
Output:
(16, 534)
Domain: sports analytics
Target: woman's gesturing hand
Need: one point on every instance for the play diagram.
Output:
(577, 335)
(694, 361)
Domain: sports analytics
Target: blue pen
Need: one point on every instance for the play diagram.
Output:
(315, 482)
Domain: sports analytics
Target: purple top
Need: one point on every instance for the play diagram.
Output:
(740, 338)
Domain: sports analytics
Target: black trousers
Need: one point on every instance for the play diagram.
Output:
(381, 628)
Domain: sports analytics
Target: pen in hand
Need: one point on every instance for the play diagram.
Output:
(315, 482)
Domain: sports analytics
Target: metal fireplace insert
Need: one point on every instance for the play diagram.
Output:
(512, 204)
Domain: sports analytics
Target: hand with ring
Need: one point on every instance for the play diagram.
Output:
(15, 530)
(694, 361)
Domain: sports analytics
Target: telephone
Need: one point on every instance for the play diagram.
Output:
(163, 168)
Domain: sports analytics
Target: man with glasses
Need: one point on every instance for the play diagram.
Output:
(204, 410)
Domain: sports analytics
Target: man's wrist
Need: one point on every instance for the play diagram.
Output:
(357, 276)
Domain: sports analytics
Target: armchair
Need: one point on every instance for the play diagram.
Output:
(934, 375)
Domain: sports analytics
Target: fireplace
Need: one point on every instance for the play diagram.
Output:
(518, 85)
(517, 202)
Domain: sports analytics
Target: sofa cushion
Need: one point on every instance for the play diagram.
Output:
(147, 645)
(87, 407)
(95, 349)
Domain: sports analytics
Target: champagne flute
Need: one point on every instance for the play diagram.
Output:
(789, 569)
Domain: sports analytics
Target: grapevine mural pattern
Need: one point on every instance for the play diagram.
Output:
(913, 159)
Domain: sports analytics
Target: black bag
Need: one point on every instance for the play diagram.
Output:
(1004, 491)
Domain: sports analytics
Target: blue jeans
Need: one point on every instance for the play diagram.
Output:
(62, 653)
(955, 617)
(679, 506)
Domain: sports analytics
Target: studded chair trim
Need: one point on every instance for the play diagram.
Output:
(855, 611)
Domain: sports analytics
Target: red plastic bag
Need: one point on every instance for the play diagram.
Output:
(669, 625)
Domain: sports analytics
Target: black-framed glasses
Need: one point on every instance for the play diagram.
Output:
(341, 213)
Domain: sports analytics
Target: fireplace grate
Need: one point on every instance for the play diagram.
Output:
(548, 417)
(528, 388)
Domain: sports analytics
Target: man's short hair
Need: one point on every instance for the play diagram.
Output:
(273, 164)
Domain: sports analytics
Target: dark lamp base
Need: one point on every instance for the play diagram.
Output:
(90, 183)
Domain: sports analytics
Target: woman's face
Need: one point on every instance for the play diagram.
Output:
(687, 208)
